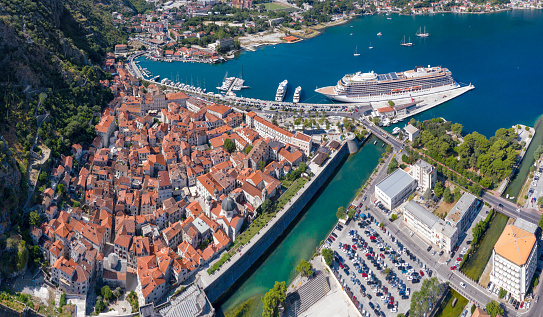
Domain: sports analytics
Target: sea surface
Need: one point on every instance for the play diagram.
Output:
(499, 53)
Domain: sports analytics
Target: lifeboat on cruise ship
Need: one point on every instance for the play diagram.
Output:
(396, 90)
(406, 89)
(416, 88)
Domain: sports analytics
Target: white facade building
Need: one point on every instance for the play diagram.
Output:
(424, 173)
(395, 188)
(463, 212)
(429, 227)
(514, 261)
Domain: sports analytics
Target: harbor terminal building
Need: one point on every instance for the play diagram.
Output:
(514, 258)
(429, 227)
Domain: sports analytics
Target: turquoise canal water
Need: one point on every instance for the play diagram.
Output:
(499, 53)
(302, 239)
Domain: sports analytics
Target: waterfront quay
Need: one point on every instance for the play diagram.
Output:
(403, 108)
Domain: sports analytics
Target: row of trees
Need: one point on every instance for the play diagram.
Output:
(481, 227)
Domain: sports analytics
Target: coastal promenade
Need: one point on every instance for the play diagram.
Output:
(219, 282)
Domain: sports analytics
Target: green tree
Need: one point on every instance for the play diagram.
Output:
(328, 256)
(340, 213)
(428, 296)
(229, 146)
(538, 152)
(376, 120)
(248, 149)
(393, 217)
(61, 189)
(43, 177)
(473, 307)
(427, 194)
(273, 299)
(261, 165)
(267, 206)
(62, 301)
(117, 293)
(502, 293)
(493, 308)
(106, 293)
(35, 219)
(447, 196)
(541, 222)
(305, 268)
(392, 166)
(391, 103)
(438, 189)
(351, 213)
(457, 193)
(456, 128)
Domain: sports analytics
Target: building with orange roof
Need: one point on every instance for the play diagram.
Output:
(514, 261)
(105, 128)
(221, 111)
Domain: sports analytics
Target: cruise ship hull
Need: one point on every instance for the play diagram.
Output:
(329, 92)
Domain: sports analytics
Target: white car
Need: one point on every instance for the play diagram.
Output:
(463, 284)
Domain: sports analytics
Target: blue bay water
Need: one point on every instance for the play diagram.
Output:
(499, 53)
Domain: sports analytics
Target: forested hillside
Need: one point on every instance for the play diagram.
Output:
(51, 51)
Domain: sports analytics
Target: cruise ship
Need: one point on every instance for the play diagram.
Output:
(297, 94)
(281, 90)
(372, 87)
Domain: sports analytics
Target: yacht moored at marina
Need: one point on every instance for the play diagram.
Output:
(297, 94)
(372, 87)
(281, 90)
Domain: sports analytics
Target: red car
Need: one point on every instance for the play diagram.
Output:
(458, 259)
(421, 273)
(340, 265)
(364, 274)
(382, 256)
(354, 247)
(453, 268)
(368, 255)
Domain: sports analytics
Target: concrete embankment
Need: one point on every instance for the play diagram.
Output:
(221, 281)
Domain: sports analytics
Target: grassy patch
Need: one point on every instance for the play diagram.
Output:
(273, 6)
(446, 309)
(443, 209)
(475, 265)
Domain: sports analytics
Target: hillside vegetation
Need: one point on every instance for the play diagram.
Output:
(51, 50)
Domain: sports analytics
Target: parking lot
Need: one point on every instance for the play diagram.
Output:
(536, 189)
(375, 269)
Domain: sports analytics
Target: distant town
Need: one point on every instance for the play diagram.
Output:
(212, 31)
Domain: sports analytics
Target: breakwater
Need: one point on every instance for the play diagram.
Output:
(223, 280)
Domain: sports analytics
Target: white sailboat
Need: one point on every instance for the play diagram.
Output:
(422, 34)
(371, 47)
(356, 51)
(404, 43)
